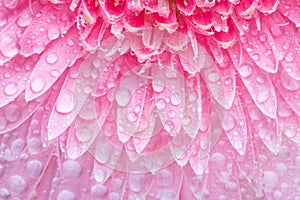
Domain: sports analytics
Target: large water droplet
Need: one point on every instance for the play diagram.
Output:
(229, 122)
(66, 103)
(51, 58)
(288, 82)
(11, 88)
(158, 84)
(34, 146)
(4, 193)
(37, 84)
(160, 104)
(71, 169)
(25, 19)
(213, 76)
(17, 146)
(53, 33)
(263, 95)
(3, 19)
(66, 195)
(34, 168)
(84, 133)
(123, 96)
(99, 191)
(164, 178)
(17, 184)
(245, 70)
(136, 181)
(8, 46)
(12, 112)
(176, 99)
(270, 180)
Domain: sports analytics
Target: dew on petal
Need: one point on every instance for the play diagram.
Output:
(71, 169)
(37, 84)
(51, 58)
(12, 113)
(11, 88)
(123, 96)
(164, 178)
(158, 84)
(245, 70)
(17, 184)
(66, 195)
(34, 168)
(99, 191)
(53, 33)
(25, 19)
(84, 133)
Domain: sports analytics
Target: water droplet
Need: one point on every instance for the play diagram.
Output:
(38, 47)
(4, 193)
(25, 19)
(114, 196)
(288, 82)
(158, 84)
(37, 84)
(34, 146)
(245, 70)
(281, 168)
(89, 110)
(263, 95)
(229, 122)
(55, 73)
(176, 99)
(276, 30)
(66, 195)
(260, 78)
(53, 33)
(8, 46)
(11, 88)
(256, 57)
(66, 102)
(17, 146)
(132, 116)
(34, 168)
(136, 181)
(270, 180)
(213, 76)
(70, 42)
(290, 56)
(71, 169)
(3, 123)
(164, 178)
(12, 112)
(3, 19)
(160, 104)
(17, 184)
(123, 96)
(169, 126)
(228, 81)
(218, 160)
(263, 37)
(51, 58)
(97, 63)
(84, 133)
(297, 161)
(99, 191)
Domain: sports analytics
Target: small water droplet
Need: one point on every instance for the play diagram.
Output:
(218, 160)
(11, 88)
(169, 126)
(17, 184)
(55, 73)
(53, 33)
(4, 193)
(34, 146)
(66, 103)
(132, 116)
(176, 99)
(256, 57)
(270, 180)
(245, 70)
(123, 96)
(290, 56)
(51, 58)
(37, 84)
(228, 81)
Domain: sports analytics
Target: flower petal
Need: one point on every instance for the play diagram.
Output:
(291, 10)
(51, 65)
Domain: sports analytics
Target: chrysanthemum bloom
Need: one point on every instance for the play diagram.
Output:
(149, 99)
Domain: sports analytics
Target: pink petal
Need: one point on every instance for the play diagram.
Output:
(291, 10)
(45, 27)
(51, 65)
(257, 82)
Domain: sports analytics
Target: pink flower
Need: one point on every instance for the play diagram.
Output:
(149, 99)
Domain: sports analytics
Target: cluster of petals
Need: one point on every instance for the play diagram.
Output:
(149, 99)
